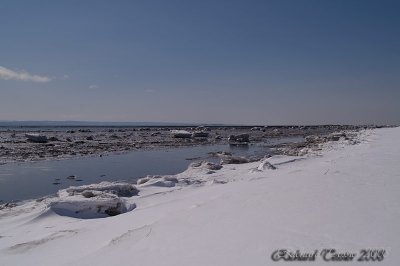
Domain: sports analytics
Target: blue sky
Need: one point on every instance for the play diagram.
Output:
(247, 62)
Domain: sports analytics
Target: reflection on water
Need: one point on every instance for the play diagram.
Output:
(19, 181)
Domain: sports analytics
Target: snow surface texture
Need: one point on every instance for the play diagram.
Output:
(344, 197)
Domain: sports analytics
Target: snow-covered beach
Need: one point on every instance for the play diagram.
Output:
(344, 197)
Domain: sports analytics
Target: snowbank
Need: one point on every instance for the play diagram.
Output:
(344, 197)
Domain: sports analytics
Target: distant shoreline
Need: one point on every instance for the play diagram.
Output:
(62, 124)
(68, 141)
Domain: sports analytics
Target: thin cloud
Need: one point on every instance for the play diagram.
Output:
(149, 91)
(93, 87)
(9, 74)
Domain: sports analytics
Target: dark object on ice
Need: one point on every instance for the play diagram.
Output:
(266, 165)
(213, 166)
(336, 136)
(36, 138)
(89, 138)
(53, 139)
(113, 211)
(241, 139)
(181, 134)
(7, 205)
(119, 189)
(207, 165)
(200, 134)
(88, 194)
(202, 128)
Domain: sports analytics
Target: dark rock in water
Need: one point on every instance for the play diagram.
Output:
(193, 158)
(36, 138)
(56, 183)
(234, 160)
(220, 153)
(72, 177)
(239, 139)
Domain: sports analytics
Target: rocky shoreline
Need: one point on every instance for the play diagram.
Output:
(26, 144)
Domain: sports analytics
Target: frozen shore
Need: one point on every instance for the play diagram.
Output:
(340, 196)
(45, 143)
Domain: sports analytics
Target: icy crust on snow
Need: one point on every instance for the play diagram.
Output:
(93, 201)
(115, 188)
(100, 206)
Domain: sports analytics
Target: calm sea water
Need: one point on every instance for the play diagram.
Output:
(20, 181)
